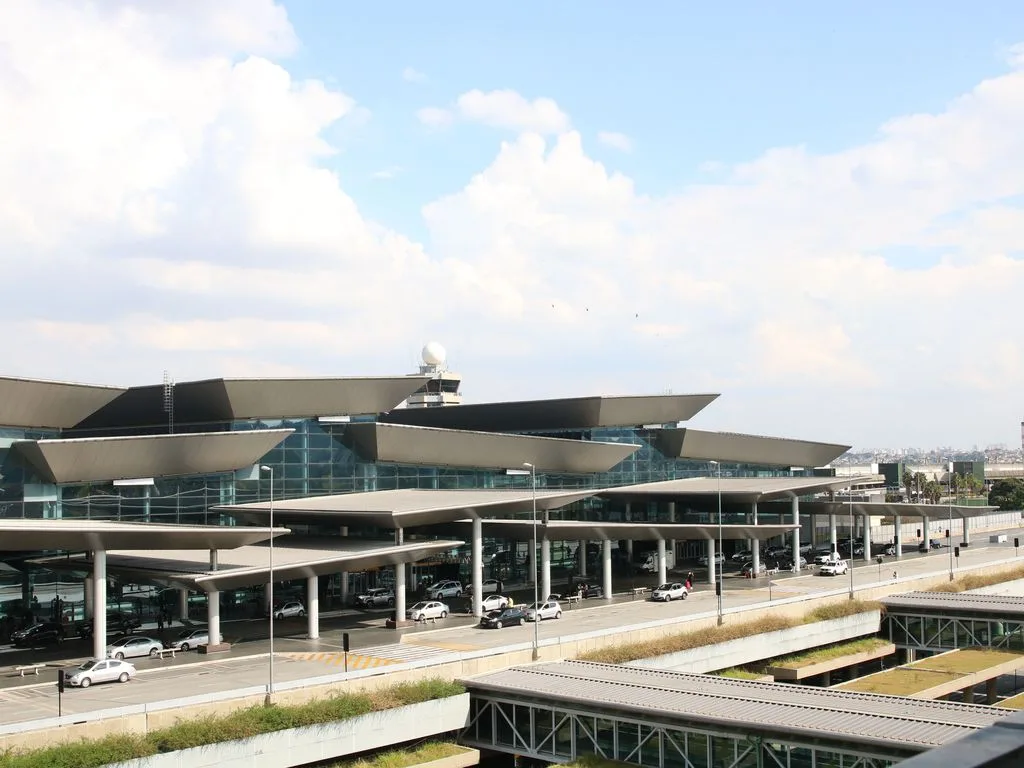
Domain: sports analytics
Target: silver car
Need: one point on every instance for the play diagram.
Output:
(549, 609)
(134, 646)
(293, 608)
(494, 603)
(99, 671)
(191, 638)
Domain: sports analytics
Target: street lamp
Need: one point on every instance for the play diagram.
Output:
(536, 579)
(719, 587)
(852, 532)
(270, 584)
(949, 498)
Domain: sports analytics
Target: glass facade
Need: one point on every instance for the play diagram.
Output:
(949, 633)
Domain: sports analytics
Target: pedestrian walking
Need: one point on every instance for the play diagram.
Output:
(159, 622)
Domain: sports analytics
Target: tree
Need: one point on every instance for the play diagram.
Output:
(933, 491)
(1007, 494)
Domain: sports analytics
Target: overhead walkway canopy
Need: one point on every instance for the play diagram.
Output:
(884, 509)
(560, 711)
(584, 530)
(749, 490)
(698, 444)
(945, 621)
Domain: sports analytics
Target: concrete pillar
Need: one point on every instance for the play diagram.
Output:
(755, 544)
(581, 555)
(99, 603)
(629, 542)
(867, 538)
(344, 588)
(213, 617)
(897, 535)
(924, 532)
(313, 607)
(991, 690)
(967, 532)
(183, 605)
(826, 679)
(545, 569)
(711, 562)
(532, 578)
(399, 582)
(268, 597)
(833, 538)
(606, 569)
(796, 535)
(213, 559)
(968, 694)
(672, 519)
(662, 570)
(87, 593)
(477, 565)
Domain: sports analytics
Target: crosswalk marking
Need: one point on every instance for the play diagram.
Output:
(355, 660)
(374, 656)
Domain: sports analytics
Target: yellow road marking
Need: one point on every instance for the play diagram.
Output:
(355, 660)
(445, 646)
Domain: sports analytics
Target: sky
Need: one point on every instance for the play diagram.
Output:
(814, 209)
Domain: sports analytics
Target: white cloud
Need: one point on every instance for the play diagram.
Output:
(411, 75)
(435, 117)
(508, 109)
(386, 174)
(619, 141)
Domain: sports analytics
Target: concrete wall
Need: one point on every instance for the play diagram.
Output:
(300, 746)
(746, 650)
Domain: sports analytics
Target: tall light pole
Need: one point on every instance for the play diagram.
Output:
(536, 579)
(849, 564)
(270, 584)
(719, 587)
(949, 498)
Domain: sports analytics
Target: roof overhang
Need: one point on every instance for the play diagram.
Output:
(884, 509)
(734, 489)
(97, 459)
(83, 535)
(405, 508)
(585, 530)
(250, 566)
(50, 404)
(400, 444)
(746, 449)
(562, 413)
(956, 604)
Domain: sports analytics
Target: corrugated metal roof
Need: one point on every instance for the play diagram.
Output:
(743, 704)
(747, 489)
(956, 603)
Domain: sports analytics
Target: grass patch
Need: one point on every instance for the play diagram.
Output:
(739, 673)
(899, 682)
(241, 724)
(966, 661)
(828, 652)
(684, 641)
(402, 758)
(593, 761)
(978, 580)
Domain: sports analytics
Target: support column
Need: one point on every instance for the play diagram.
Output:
(796, 535)
(606, 568)
(545, 569)
(533, 564)
(991, 689)
(629, 542)
(344, 588)
(897, 535)
(182, 605)
(99, 604)
(313, 607)
(867, 538)
(711, 562)
(87, 593)
(833, 537)
(826, 679)
(813, 523)
(213, 559)
(476, 565)
(213, 617)
(581, 555)
(399, 582)
(925, 537)
(967, 532)
(755, 544)
(968, 694)
(662, 570)
(672, 519)
(268, 596)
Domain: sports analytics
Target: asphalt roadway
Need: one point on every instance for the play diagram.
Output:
(373, 646)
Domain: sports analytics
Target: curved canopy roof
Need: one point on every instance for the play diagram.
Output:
(749, 449)
(578, 530)
(956, 604)
(405, 508)
(875, 509)
(402, 444)
(554, 414)
(50, 404)
(96, 459)
(80, 535)
(735, 489)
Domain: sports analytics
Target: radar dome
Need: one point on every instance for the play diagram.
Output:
(434, 354)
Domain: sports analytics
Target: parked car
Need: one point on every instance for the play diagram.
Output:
(503, 618)
(445, 589)
(806, 548)
(44, 633)
(191, 638)
(122, 622)
(890, 550)
(668, 592)
(826, 557)
(587, 591)
(836, 568)
(488, 587)
(763, 567)
(136, 645)
(549, 609)
(703, 560)
(778, 551)
(787, 561)
(494, 603)
(99, 671)
(428, 609)
(375, 598)
(742, 556)
(289, 609)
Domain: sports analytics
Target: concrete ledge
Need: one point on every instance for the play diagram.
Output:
(214, 648)
(464, 759)
(789, 674)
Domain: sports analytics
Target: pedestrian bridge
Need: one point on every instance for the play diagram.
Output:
(947, 621)
(560, 711)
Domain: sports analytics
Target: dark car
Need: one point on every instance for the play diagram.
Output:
(503, 618)
(587, 591)
(117, 622)
(46, 633)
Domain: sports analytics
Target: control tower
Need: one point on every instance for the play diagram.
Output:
(443, 388)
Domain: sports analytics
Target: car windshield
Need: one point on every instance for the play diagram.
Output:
(187, 633)
(418, 606)
(665, 586)
(536, 606)
(122, 641)
(87, 665)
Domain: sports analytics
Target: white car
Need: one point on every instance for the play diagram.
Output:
(428, 609)
(133, 645)
(834, 569)
(494, 603)
(742, 556)
(99, 671)
(445, 589)
(378, 596)
(718, 559)
(668, 592)
(550, 609)
(293, 608)
(191, 638)
(825, 557)
(488, 587)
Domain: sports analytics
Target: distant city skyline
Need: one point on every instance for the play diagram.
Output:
(814, 209)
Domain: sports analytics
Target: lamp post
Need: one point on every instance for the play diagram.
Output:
(270, 584)
(852, 532)
(536, 579)
(949, 498)
(719, 587)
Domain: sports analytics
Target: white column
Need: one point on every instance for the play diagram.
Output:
(399, 582)
(313, 607)
(755, 545)
(581, 552)
(662, 570)
(924, 532)
(213, 559)
(833, 537)
(183, 605)
(711, 562)
(672, 519)
(532, 577)
(87, 592)
(629, 542)
(99, 604)
(606, 568)
(545, 569)
(344, 588)
(476, 565)
(213, 617)
(967, 532)
(897, 535)
(796, 534)
(867, 538)
(268, 594)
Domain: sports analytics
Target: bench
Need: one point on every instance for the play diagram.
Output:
(33, 668)
(163, 653)
(772, 572)
(570, 599)
(639, 592)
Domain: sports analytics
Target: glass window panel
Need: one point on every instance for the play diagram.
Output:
(628, 739)
(605, 737)
(542, 727)
(563, 735)
(503, 733)
(584, 743)
(723, 752)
